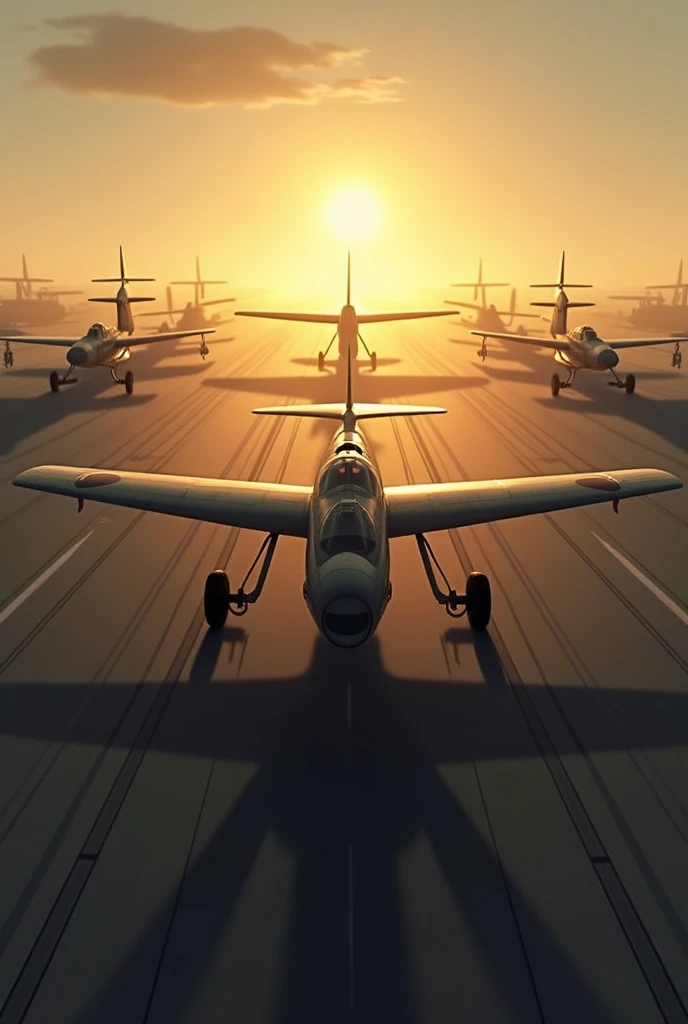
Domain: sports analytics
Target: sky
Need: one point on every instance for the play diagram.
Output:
(500, 130)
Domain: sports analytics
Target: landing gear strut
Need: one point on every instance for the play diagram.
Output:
(203, 349)
(321, 355)
(371, 355)
(56, 381)
(557, 383)
(9, 356)
(218, 599)
(128, 381)
(628, 384)
(477, 601)
(482, 351)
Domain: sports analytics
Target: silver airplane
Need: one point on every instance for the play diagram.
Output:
(347, 518)
(107, 346)
(577, 349)
(347, 322)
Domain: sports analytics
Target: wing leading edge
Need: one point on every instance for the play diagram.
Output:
(537, 342)
(249, 505)
(422, 508)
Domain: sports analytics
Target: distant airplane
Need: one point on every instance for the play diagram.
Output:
(489, 317)
(580, 348)
(103, 345)
(191, 317)
(347, 322)
(29, 307)
(655, 311)
(347, 518)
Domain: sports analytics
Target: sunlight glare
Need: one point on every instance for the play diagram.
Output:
(353, 214)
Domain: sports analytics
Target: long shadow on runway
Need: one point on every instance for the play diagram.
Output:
(324, 789)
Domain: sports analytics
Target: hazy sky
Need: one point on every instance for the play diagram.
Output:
(507, 130)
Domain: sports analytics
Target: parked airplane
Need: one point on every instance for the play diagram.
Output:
(30, 307)
(103, 345)
(347, 323)
(347, 519)
(191, 317)
(577, 349)
(489, 317)
(653, 311)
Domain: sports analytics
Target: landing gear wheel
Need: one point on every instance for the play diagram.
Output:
(630, 384)
(556, 384)
(373, 360)
(321, 361)
(478, 600)
(129, 382)
(54, 381)
(216, 599)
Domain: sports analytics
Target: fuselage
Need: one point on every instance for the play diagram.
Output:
(100, 346)
(586, 351)
(347, 585)
(347, 332)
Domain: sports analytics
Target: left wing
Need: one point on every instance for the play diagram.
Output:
(644, 341)
(60, 342)
(147, 339)
(562, 345)
(422, 508)
(246, 504)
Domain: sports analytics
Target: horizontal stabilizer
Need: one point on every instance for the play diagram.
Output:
(199, 282)
(481, 284)
(29, 280)
(216, 302)
(561, 284)
(360, 411)
(137, 298)
(569, 305)
(118, 280)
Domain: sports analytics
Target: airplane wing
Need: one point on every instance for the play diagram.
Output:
(305, 318)
(538, 342)
(381, 318)
(464, 305)
(249, 505)
(422, 508)
(147, 339)
(645, 341)
(60, 342)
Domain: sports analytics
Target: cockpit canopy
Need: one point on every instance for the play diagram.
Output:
(586, 333)
(348, 472)
(347, 527)
(97, 332)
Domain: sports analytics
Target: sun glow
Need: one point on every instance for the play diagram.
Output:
(353, 214)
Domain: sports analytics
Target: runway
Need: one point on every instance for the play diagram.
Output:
(252, 826)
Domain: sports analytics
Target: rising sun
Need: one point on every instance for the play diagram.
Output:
(353, 214)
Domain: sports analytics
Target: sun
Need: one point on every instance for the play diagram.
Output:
(353, 214)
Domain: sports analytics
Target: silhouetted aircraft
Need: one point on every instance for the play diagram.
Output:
(653, 311)
(347, 518)
(191, 317)
(489, 317)
(103, 345)
(29, 307)
(577, 349)
(347, 323)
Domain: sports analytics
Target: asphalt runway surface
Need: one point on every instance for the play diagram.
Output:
(249, 825)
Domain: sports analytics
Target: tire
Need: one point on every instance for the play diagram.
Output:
(555, 384)
(129, 382)
(54, 381)
(373, 360)
(216, 599)
(478, 600)
(321, 361)
(630, 384)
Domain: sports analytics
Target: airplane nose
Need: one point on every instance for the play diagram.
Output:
(77, 356)
(607, 359)
(347, 621)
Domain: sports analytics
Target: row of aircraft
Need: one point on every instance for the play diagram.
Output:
(347, 517)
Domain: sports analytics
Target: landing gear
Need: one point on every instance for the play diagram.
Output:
(322, 355)
(371, 355)
(557, 384)
(204, 350)
(218, 599)
(482, 351)
(9, 356)
(477, 601)
(128, 381)
(628, 385)
(676, 357)
(56, 381)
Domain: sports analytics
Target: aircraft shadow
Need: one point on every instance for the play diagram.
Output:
(332, 364)
(322, 789)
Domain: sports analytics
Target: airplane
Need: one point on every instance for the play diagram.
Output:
(29, 307)
(577, 349)
(655, 311)
(489, 317)
(347, 518)
(103, 345)
(347, 323)
(192, 317)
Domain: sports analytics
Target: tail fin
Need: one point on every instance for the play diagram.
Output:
(121, 280)
(349, 413)
(348, 278)
(561, 304)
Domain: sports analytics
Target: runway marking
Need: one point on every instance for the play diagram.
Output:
(664, 598)
(33, 587)
(351, 927)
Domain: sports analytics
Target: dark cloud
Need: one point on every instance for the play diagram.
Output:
(117, 54)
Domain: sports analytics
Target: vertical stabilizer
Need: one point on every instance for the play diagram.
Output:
(561, 304)
(348, 279)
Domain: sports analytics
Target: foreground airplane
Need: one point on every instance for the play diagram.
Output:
(103, 345)
(577, 349)
(347, 519)
(347, 323)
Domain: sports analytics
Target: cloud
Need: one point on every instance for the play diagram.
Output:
(117, 54)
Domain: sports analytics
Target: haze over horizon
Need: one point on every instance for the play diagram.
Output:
(224, 130)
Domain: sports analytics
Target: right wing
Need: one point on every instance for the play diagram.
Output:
(305, 318)
(465, 305)
(246, 504)
(422, 508)
(60, 342)
(538, 342)
(134, 340)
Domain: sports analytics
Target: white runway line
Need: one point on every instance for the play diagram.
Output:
(33, 587)
(664, 598)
